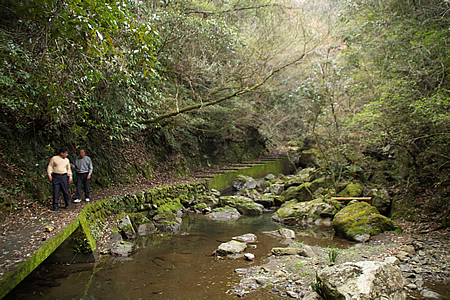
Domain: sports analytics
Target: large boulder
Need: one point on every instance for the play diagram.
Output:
(380, 199)
(352, 190)
(300, 193)
(269, 200)
(302, 176)
(359, 219)
(244, 205)
(224, 214)
(364, 280)
(231, 247)
(306, 212)
(305, 191)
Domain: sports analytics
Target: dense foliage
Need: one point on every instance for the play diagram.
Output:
(144, 84)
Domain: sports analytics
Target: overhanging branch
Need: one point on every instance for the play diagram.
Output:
(217, 101)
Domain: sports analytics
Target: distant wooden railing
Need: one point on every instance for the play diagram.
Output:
(367, 199)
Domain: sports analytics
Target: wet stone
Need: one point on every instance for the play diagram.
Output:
(427, 294)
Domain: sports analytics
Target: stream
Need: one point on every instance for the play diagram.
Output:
(178, 266)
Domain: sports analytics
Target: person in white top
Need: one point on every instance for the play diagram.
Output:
(60, 174)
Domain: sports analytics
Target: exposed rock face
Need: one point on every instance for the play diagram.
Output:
(359, 219)
(230, 247)
(224, 214)
(306, 212)
(125, 225)
(352, 190)
(244, 182)
(380, 199)
(244, 205)
(299, 193)
(276, 188)
(364, 280)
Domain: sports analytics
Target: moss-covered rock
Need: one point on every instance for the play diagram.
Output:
(380, 199)
(244, 205)
(352, 190)
(244, 182)
(167, 222)
(306, 212)
(359, 219)
(139, 218)
(269, 200)
(301, 193)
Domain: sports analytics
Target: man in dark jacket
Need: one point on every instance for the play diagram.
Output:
(83, 167)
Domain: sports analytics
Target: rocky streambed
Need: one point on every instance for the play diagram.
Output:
(383, 262)
(391, 266)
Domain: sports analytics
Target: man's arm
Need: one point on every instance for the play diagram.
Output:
(69, 171)
(50, 169)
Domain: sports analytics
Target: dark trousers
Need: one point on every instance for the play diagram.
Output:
(82, 180)
(60, 181)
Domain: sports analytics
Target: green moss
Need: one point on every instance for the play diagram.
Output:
(201, 206)
(361, 218)
(352, 190)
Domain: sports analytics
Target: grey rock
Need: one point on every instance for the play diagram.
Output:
(312, 296)
(306, 251)
(411, 286)
(246, 238)
(270, 177)
(125, 225)
(363, 280)
(380, 199)
(244, 182)
(276, 189)
(402, 255)
(224, 214)
(147, 228)
(405, 267)
(361, 238)
(306, 212)
(427, 294)
(287, 233)
(409, 249)
(230, 247)
(249, 256)
(262, 280)
(244, 205)
(292, 294)
(123, 249)
(279, 251)
(392, 260)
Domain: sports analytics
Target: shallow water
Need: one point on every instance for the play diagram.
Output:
(170, 267)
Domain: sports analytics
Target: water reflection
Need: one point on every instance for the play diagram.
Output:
(172, 267)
